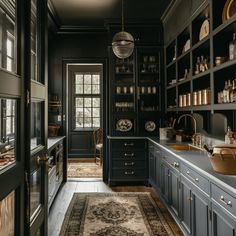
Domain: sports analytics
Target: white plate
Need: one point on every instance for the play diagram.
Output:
(150, 126)
(124, 125)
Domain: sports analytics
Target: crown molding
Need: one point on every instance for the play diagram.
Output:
(53, 14)
(172, 5)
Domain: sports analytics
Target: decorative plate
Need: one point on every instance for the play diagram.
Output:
(229, 10)
(150, 126)
(205, 29)
(124, 125)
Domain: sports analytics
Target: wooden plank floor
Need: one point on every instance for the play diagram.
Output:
(61, 203)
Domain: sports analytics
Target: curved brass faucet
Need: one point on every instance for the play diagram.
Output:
(194, 121)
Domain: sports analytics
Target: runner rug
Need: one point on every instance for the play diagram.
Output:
(84, 170)
(114, 214)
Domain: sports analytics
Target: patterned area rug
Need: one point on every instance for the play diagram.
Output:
(84, 170)
(114, 214)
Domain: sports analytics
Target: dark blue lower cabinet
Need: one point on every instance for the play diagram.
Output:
(222, 222)
(195, 214)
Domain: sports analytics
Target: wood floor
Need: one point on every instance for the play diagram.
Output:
(63, 199)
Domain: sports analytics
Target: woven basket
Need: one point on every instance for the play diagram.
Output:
(224, 162)
(53, 130)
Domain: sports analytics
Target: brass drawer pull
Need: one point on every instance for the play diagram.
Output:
(194, 179)
(129, 154)
(128, 144)
(222, 199)
(129, 172)
(129, 163)
(175, 164)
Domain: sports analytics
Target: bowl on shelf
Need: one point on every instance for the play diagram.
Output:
(53, 130)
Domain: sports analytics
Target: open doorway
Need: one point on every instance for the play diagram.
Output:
(84, 120)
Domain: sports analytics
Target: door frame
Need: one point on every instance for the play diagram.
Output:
(104, 62)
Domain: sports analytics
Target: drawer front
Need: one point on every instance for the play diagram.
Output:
(172, 161)
(128, 155)
(196, 178)
(128, 164)
(128, 144)
(129, 174)
(224, 199)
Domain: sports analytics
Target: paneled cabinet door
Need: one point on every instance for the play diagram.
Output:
(152, 169)
(194, 209)
(170, 186)
(222, 222)
(158, 167)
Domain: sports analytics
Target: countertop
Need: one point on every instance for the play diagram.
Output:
(54, 140)
(199, 160)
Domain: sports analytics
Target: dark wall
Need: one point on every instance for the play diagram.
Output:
(84, 47)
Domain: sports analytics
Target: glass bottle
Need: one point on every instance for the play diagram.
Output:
(229, 136)
(226, 93)
(233, 92)
(232, 48)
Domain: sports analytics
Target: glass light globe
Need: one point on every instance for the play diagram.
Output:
(123, 44)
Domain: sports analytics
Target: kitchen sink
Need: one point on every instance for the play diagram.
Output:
(183, 147)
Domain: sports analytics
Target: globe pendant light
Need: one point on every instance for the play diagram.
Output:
(123, 42)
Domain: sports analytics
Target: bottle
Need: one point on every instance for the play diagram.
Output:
(226, 93)
(229, 136)
(232, 48)
(233, 92)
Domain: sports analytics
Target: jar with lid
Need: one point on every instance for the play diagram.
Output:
(180, 100)
(206, 96)
(199, 97)
(195, 98)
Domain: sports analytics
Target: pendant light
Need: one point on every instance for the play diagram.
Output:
(123, 42)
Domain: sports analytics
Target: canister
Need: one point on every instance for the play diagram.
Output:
(184, 100)
(206, 96)
(195, 98)
(188, 99)
(180, 100)
(199, 97)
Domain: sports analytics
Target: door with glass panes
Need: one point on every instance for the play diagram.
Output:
(12, 145)
(37, 106)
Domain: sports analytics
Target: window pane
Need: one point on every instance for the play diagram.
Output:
(36, 124)
(87, 79)
(96, 112)
(79, 112)
(87, 89)
(7, 35)
(79, 102)
(96, 102)
(78, 89)
(96, 122)
(79, 122)
(87, 102)
(79, 79)
(87, 122)
(96, 89)
(87, 112)
(96, 79)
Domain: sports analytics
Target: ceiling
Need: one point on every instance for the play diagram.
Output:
(93, 13)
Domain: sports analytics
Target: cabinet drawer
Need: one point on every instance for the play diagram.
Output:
(224, 199)
(128, 155)
(128, 144)
(196, 178)
(129, 173)
(128, 163)
(172, 161)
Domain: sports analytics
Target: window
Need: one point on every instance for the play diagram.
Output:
(8, 111)
(87, 100)
(7, 36)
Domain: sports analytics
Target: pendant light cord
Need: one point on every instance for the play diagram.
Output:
(122, 11)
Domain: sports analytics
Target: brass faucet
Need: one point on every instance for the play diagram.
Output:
(194, 121)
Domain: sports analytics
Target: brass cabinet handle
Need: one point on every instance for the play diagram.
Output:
(175, 164)
(41, 159)
(128, 144)
(129, 163)
(129, 172)
(222, 199)
(129, 154)
(194, 179)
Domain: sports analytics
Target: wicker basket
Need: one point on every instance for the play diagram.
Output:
(224, 162)
(53, 130)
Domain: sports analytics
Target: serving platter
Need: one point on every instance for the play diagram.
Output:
(150, 126)
(124, 125)
(229, 10)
